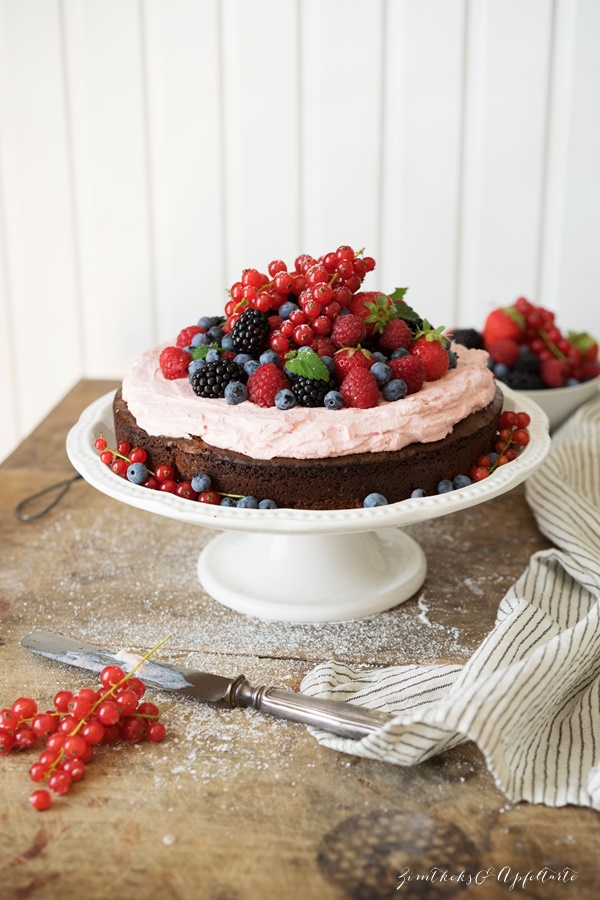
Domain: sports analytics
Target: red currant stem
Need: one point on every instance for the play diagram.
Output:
(126, 458)
(55, 764)
(359, 252)
(233, 496)
(551, 345)
(504, 449)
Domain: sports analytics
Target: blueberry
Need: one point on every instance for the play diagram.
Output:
(267, 504)
(490, 363)
(394, 390)
(401, 351)
(251, 366)
(333, 400)
(284, 399)
(571, 382)
(247, 503)
(137, 473)
(206, 322)
(227, 343)
(445, 486)
(215, 334)
(461, 481)
(227, 501)
(200, 340)
(328, 360)
(212, 356)
(291, 375)
(195, 365)
(453, 357)
(201, 482)
(374, 500)
(381, 372)
(493, 456)
(241, 359)
(269, 356)
(500, 371)
(286, 308)
(378, 356)
(236, 392)
(419, 492)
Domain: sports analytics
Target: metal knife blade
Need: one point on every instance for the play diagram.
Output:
(190, 682)
(335, 716)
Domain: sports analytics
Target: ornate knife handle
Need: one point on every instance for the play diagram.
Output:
(336, 716)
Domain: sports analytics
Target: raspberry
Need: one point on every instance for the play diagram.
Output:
(348, 331)
(395, 334)
(324, 346)
(589, 369)
(553, 373)
(351, 358)
(184, 338)
(505, 351)
(266, 382)
(359, 389)
(410, 370)
(174, 363)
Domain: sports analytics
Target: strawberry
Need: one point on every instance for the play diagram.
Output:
(395, 334)
(348, 331)
(410, 370)
(374, 308)
(504, 322)
(504, 350)
(267, 381)
(184, 338)
(590, 368)
(585, 343)
(553, 373)
(174, 362)
(351, 358)
(430, 346)
(359, 389)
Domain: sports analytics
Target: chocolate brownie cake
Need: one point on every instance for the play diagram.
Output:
(311, 393)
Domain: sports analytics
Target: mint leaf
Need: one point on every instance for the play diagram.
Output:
(200, 352)
(307, 364)
(403, 310)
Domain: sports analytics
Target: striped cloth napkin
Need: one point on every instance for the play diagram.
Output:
(530, 695)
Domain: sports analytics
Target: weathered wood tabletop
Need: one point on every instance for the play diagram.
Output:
(235, 805)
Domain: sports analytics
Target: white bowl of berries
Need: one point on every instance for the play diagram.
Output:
(529, 353)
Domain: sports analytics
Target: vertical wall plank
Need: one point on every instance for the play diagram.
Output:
(422, 152)
(342, 60)
(578, 290)
(261, 133)
(185, 107)
(39, 277)
(11, 429)
(504, 158)
(108, 121)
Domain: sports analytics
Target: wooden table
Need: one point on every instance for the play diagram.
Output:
(235, 805)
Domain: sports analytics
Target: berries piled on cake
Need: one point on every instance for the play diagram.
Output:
(312, 391)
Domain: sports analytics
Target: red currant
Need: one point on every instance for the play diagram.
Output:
(211, 497)
(107, 457)
(134, 729)
(520, 437)
(164, 473)
(168, 487)
(127, 701)
(44, 724)
(93, 732)
(59, 782)
(7, 741)
(25, 708)
(75, 768)
(120, 466)
(124, 448)
(523, 419)
(148, 709)
(25, 737)
(37, 772)
(40, 800)
(109, 713)
(138, 455)
(156, 732)
(137, 686)
(75, 745)
(303, 334)
(478, 473)
(186, 490)
(111, 675)
(100, 444)
(79, 706)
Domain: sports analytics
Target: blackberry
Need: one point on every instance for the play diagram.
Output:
(415, 325)
(527, 361)
(212, 380)
(524, 381)
(310, 391)
(250, 332)
(468, 337)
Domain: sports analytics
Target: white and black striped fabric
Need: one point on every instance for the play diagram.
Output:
(530, 694)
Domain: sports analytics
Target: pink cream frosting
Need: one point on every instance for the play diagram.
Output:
(171, 408)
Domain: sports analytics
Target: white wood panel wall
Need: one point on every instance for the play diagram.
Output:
(150, 149)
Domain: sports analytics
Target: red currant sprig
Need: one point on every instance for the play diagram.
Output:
(78, 722)
(513, 436)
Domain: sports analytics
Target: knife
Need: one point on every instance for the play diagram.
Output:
(335, 716)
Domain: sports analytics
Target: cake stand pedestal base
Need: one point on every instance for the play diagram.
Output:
(312, 577)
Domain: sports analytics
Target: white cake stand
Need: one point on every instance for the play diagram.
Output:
(304, 565)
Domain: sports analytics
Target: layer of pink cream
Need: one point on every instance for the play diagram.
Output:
(171, 408)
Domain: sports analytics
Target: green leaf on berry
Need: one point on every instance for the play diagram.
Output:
(403, 309)
(307, 364)
(432, 334)
(200, 352)
(513, 313)
(380, 313)
(581, 340)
